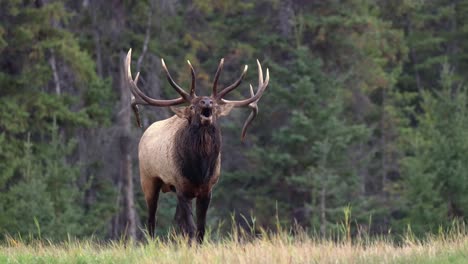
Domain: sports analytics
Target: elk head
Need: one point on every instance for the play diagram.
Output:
(202, 110)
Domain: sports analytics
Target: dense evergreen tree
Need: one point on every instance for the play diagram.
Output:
(49, 89)
(435, 165)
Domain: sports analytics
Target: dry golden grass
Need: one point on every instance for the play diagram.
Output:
(281, 248)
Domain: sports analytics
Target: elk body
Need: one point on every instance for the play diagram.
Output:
(181, 154)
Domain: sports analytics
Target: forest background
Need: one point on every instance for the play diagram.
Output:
(366, 109)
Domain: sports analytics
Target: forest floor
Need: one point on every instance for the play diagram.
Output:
(271, 249)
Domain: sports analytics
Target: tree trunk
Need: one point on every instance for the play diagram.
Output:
(97, 44)
(286, 18)
(124, 120)
(383, 142)
(323, 218)
(412, 55)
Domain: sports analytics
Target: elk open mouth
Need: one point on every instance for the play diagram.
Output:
(206, 115)
(206, 112)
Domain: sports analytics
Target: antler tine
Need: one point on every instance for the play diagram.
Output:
(138, 97)
(136, 111)
(178, 89)
(249, 120)
(234, 85)
(216, 78)
(192, 87)
(137, 77)
(260, 74)
(135, 99)
(253, 106)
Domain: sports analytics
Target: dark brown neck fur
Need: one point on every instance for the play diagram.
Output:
(197, 150)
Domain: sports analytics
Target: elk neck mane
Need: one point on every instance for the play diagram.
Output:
(197, 150)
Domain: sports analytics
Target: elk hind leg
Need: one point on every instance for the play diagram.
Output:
(151, 188)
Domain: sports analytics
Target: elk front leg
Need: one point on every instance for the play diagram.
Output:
(202, 207)
(183, 216)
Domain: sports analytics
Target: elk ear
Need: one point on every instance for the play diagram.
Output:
(225, 109)
(181, 112)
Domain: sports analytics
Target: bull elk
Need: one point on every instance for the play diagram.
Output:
(181, 154)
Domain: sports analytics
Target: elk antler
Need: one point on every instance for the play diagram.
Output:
(250, 102)
(215, 82)
(192, 87)
(178, 89)
(230, 87)
(138, 97)
(262, 85)
(253, 105)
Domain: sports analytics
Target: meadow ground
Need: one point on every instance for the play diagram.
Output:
(269, 249)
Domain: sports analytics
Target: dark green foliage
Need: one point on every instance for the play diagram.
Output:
(45, 198)
(307, 153)
(39, 181)
(436, 163)
(362, 111)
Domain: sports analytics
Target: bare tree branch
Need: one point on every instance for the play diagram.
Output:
(53, 65)
(147, 36)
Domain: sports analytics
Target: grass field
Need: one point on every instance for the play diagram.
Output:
(282, 248)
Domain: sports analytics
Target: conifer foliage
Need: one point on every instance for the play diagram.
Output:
(366, 109)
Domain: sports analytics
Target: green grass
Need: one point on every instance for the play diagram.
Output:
(279, 248)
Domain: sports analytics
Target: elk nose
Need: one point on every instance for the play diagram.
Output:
(206, 102)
